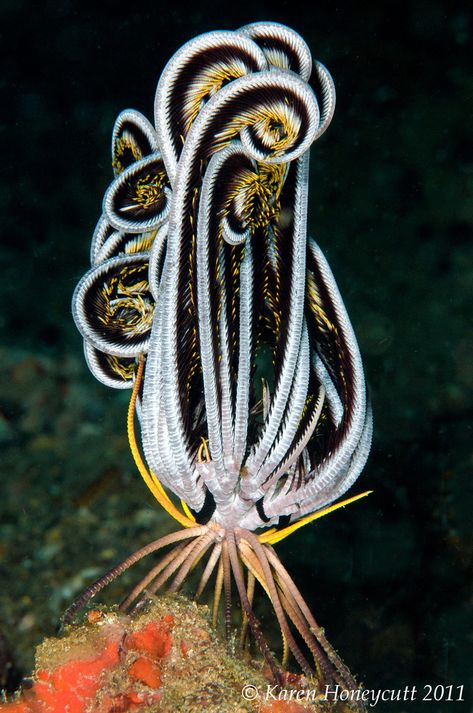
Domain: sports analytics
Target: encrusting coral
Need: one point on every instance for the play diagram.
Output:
(165, 660)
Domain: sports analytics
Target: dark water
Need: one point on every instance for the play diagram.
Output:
(391, 205)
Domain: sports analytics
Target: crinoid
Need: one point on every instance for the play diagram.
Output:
(207, 298)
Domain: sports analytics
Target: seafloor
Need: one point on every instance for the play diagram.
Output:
(392, 206)
(166, 658)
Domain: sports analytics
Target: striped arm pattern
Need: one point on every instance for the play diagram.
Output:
(253, 408)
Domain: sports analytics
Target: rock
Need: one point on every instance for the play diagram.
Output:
(163, 660)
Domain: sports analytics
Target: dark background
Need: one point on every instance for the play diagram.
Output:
(391, 205)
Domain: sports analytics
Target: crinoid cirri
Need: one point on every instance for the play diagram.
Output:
(207, 298)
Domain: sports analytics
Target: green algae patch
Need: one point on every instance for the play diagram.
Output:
(165, 658)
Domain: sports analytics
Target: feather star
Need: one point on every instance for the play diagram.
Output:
(208, 299)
